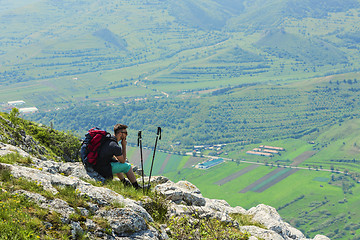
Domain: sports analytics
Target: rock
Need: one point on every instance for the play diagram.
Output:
(7, 149)
(76, 230)
(155, 180)
(321, 237)
(182, 191)
(269, 217)
(223, 206)
(124, 220)
(261, 233)
(57, 205)
(90, 225)
(83, 211)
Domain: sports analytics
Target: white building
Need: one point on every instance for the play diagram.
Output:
(16, 103)
(28, 110)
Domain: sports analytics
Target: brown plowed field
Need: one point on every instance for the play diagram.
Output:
(164, 164)
(297, 161)
(236, 175)
(193, 161)
(264, 178)
(302, 157)
(278, 179)
(135, 158)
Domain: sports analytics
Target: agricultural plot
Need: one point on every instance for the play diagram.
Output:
(265, 180)
(135, 157)
(236, 175)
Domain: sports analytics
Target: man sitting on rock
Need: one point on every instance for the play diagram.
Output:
(112, 158)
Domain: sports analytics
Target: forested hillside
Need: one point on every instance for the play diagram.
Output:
(225, 71)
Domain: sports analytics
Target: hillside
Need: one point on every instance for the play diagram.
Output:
(63, 200)
(224, 76)
(152, 57)
(55, 54)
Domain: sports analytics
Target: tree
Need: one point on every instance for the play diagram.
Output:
(14, 114)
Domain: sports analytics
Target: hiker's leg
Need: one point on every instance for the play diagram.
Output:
(131, 176)
(120, 168)
(120, 176)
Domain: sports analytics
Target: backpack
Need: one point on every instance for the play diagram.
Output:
(91, 145)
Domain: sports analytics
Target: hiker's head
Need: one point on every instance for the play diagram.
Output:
(120, 131)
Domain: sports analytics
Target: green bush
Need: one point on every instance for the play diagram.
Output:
(186, 227)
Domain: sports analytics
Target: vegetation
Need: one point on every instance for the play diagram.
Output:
(23, 219)
(281, 73)
(18, 131)
(279, 112)
(202, 228)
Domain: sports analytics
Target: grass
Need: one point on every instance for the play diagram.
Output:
(22, 219)
(30, 223)
(15, 158)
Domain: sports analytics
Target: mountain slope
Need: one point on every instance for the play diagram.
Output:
(61, 200)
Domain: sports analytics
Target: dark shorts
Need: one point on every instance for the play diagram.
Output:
(118, 167)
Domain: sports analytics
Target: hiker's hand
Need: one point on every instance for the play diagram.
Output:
(123, 142)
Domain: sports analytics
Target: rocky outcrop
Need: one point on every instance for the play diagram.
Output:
(131, 220)
(20, 138)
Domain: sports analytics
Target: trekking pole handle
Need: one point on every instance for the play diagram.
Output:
(139, 137)
(159, 132)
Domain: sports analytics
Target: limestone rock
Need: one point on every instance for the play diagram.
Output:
(321, 237)
(124, 220)
(261, 233)
(57, 205)
(181, 192)
(269, 217)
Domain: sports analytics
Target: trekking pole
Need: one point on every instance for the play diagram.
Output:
(158, 137)
(141, 158)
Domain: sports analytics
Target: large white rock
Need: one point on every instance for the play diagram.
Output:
(261, 233)
(181, 192)
(270, 218)
(321, 237)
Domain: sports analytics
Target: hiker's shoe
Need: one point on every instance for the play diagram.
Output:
(126, 182)
(137, 186)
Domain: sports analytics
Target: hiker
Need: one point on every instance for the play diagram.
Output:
(112, 158)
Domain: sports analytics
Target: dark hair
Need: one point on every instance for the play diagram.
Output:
(118, 127)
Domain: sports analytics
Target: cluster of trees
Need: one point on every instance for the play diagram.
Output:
(292, 202)
(256, 114)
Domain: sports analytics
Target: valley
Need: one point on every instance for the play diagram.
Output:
(233, 73)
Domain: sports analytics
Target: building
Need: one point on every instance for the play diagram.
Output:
(28, 110)
(16, 103)
(210, 163)
(260, 153)
(272, 148)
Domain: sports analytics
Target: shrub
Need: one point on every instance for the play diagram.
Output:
(195, 227)
(157, 206)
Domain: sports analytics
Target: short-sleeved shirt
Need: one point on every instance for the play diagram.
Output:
(109, 149)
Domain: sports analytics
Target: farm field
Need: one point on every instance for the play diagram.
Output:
(280, 73)
(311, 199)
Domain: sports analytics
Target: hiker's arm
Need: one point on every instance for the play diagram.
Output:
(122, 158)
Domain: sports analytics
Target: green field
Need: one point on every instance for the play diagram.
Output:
(310, 194)
(312, 199)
